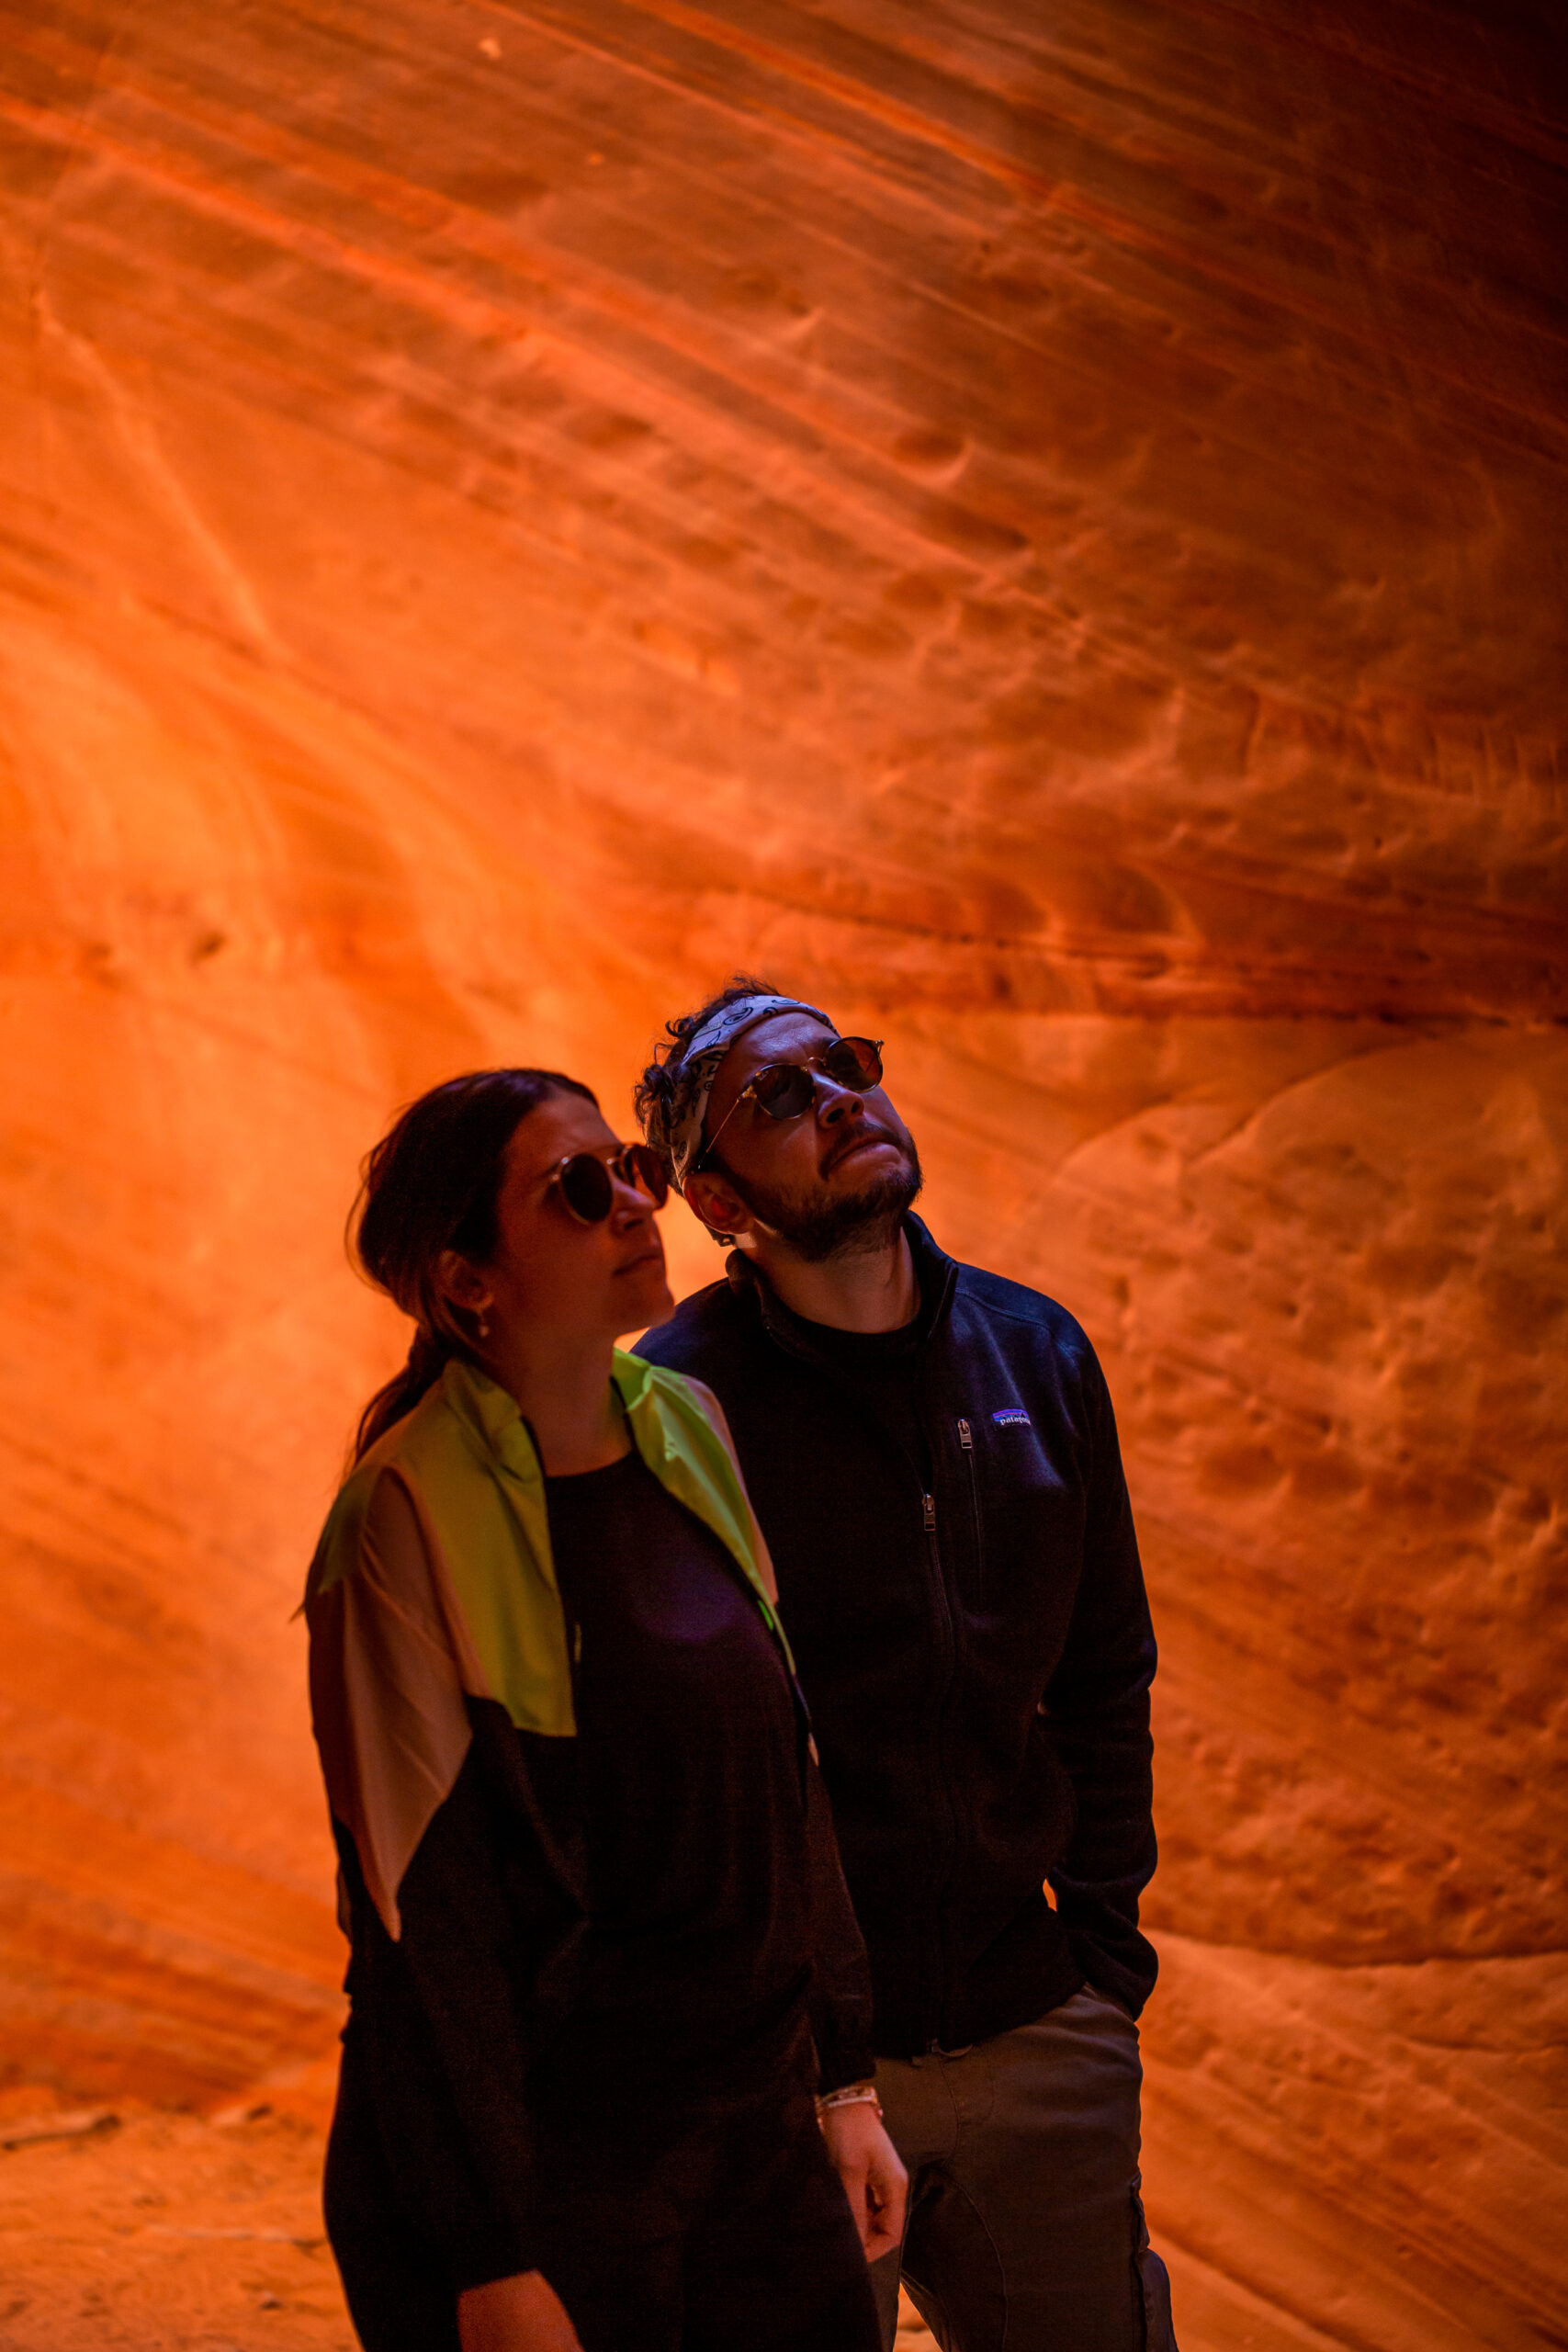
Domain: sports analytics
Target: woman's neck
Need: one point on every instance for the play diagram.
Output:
(565, 1396)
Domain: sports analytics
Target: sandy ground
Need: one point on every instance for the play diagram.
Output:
(168, 2231)
(127, 2231)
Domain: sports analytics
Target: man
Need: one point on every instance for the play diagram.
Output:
(931, 1453)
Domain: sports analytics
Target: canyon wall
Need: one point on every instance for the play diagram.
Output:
(1040, 528)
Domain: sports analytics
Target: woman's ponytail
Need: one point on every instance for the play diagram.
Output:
(427, 1360)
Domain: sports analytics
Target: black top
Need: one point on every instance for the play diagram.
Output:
(883, 1368)
(967, 1611)
(689, 1762)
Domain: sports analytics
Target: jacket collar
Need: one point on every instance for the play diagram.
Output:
(936, 1271)
(491, 1418)
(494, 1418)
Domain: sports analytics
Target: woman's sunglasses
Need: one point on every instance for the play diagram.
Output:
(587, 1183)
(784, 1089)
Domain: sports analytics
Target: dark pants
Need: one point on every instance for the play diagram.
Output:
(662, 2234)
(1025, 2224)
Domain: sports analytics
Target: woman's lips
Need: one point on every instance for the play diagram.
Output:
(645, 1258)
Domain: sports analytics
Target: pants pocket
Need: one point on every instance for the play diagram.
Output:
(1151, 2286)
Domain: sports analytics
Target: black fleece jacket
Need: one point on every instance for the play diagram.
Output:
(972, 1634)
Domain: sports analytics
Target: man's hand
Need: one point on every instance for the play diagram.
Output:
(874, 2181)
(522, 2314)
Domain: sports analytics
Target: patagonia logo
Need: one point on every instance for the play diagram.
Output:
(1011, 1417)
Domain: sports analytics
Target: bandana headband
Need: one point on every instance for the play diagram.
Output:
(699, 1068)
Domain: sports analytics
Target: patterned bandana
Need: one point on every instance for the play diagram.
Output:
(682, 1123)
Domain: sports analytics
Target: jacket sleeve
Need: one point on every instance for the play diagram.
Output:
(840, 1999)
(1097, 1710)
(448, 1939)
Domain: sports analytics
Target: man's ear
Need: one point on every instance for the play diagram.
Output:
(462, 1283)
(718, 1205)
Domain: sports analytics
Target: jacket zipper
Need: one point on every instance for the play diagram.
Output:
(966, 1441)
(943, 1625)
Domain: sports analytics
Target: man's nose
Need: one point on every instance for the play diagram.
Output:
(835, 1102)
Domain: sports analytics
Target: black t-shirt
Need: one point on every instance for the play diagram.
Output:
(883, 1368)
(688, 1754)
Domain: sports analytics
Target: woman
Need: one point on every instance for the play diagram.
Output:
(600, 1941)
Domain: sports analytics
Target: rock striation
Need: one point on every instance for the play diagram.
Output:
(1044, 530)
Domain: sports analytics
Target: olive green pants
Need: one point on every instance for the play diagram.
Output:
(1025, 2230)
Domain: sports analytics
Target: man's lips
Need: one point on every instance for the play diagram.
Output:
(860, 1141)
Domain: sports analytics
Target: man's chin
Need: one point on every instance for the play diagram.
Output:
(848, 1225)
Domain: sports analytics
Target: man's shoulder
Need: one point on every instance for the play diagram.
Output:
(710, 1322)
(1008, 1307)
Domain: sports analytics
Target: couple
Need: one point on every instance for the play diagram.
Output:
(620, 2072)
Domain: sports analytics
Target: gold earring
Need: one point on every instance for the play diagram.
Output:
(484, 1327)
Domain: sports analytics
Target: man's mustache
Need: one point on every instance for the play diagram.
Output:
(869, 1131)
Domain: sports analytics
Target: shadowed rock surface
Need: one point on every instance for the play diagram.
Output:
(1043, 530)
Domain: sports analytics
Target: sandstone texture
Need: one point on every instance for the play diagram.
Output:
(125, 2230)
(1040, 528)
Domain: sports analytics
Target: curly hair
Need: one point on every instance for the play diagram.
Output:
(654, 1092)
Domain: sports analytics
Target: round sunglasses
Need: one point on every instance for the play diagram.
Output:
(784, 1089)
(587, 1183)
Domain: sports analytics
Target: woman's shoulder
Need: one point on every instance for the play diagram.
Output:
(689, 1416)
(677, 1395)
(431, 1427)
(418, 1452)
(702, 1465)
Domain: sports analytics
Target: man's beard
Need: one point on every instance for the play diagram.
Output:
(855, 1223)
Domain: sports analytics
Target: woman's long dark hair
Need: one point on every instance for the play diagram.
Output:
(433, 1183)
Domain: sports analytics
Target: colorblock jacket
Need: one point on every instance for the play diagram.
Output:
(441, 1686)
(973, 1637)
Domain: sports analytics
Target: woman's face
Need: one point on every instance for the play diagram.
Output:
(551, 1276)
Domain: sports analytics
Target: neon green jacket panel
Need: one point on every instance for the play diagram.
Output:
(467, 1460)
(679, 1428)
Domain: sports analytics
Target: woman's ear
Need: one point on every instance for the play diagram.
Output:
(462, 1283)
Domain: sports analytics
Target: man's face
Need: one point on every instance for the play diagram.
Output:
(838, 1176)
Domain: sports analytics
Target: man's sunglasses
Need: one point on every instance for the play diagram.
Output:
(784, 1089)
(587, 1183)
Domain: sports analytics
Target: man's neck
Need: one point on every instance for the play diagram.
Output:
(861, 1290)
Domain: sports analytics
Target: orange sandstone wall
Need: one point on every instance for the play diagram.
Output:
(1041, 526)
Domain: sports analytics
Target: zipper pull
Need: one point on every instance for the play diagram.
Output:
(928, 1504)
(965, 1438)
